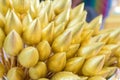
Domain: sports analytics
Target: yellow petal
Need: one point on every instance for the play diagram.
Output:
(2, 20)
(89, 50)
(26, 21)
(15, 74)
(62, 42)
(51, 13)
(100, 38)
(59, 29)
(77, 20)
(72, 50)
(44, 50)
(2, 37)
(13, 22)
(76, 11)
(28, 57)
(107, 72)
(76, 33)
(13, 43)
(61, 5)
(57, 62)
(33, 12)
(4, 5)
(107, 54)
(34, 3)
(93, 65)
(7, 14)
(112, 47)
(86, 35)
(21, 6)
(47, 32)
(113, 36)
(95, 24)
(38, 71)
(62, 17)
(74, 64)
(44, 20)
(32, 34)
(48, 8)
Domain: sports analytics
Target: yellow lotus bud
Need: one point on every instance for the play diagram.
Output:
(86, 35)
(72, 50)
(51, 13)
(96, 78)
(93, 65)
(95, 24)
(7, 14)
(2, 21)
(21, 6)
(43, 79)
(100, 38)
(2, 70)
(107, 54)
(76, 33)
(62, 5)
(78, 19)
(117, 52)
(62, 42)
(57, 62)
(26, 21)
(113, 36)
(59, 29)
(44, 20)
(35, 4)
(28, 57)
(90, 50)
(2, 37)
(13, 43)
(4, 4)
(49, 30)
(38, 71)
(13, 22)
(34, 8)
(32, 35)
(107, 72)
(112, 47)
(62, 17)
(33, 12)
(15, 74)
(44, 50)
(47, 8)
(74, 64)
(76, 11)
(65, 76)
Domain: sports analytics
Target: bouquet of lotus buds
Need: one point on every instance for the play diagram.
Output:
(52, 41)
